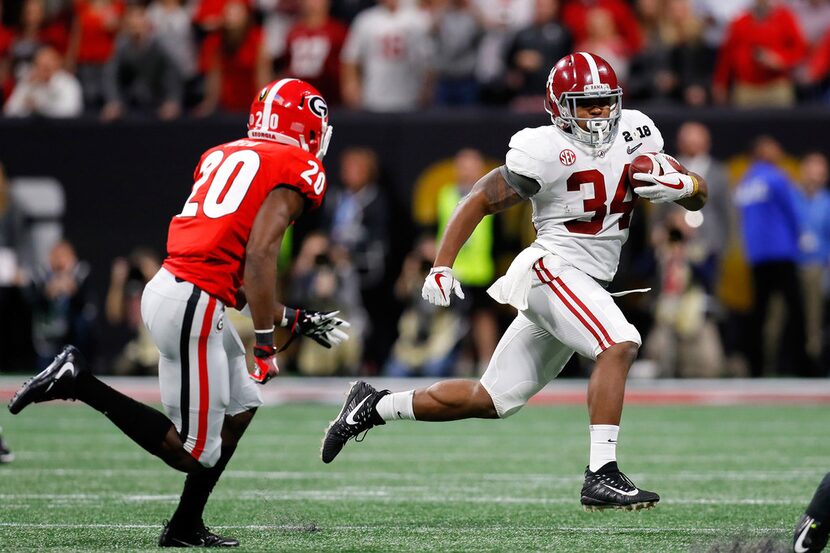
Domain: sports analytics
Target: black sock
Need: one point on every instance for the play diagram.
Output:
(819, 507)
(142, 424)
(197, 489)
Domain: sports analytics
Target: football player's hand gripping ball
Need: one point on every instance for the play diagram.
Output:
(439, 285)
(668, 187)
(327, 329)
(265, 363)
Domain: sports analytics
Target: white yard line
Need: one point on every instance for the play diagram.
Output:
(420, 528)
(384, 495)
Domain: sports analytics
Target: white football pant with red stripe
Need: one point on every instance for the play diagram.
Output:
(568, 311)
(203, 376)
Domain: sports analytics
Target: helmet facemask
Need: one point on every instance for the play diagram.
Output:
(599, 131)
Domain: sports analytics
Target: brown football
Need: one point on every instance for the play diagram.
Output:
(647, 163)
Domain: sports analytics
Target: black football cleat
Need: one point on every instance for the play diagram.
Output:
(201, 536)
(810, 535)
(57, 381)
(608, 488)
(357, 415)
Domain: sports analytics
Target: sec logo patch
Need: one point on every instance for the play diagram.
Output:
(567, 157)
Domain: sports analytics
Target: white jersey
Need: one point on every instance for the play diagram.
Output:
(392, 49)
(583, 208)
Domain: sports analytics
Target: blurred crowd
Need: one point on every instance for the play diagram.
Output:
(741, 288)
(168, 58)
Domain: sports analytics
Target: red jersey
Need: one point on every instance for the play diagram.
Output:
(98, 23)
(206, 242)
(314, 56)
(777, 32)
(238, 68)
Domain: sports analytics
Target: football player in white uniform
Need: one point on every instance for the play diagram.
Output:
(575, 173)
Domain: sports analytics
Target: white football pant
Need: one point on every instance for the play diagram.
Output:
(568, 311)
(202, 371)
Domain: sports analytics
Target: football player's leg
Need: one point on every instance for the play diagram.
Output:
(524, 361)
(244, 399)
(192, 368)
(578, 311)
(526, 358)
(68, 377)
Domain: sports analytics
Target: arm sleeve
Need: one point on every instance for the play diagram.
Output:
(524, 186)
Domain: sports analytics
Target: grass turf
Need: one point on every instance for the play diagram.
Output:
(726, 475)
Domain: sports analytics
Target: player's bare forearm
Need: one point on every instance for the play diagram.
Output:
(280, 208)
(698, 200)
(491, 194)
(260, 284)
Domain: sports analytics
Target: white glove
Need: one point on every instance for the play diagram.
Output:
(439, 286)
(668, 187)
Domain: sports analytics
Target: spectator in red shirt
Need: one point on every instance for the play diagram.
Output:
(313, 49)
(762, 47)
(234, 61)
(575, 18)
(91, 44)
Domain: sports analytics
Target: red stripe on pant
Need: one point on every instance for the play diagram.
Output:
(204, 380)
(579, 303)
(572, 309)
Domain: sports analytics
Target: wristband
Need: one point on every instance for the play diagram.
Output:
(289, 317)
(696, 186)
(265, 338)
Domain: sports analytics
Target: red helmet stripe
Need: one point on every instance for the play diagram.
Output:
(592, 66)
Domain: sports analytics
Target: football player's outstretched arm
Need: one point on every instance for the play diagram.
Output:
(491, 194)
(280, 207)
(698, 200)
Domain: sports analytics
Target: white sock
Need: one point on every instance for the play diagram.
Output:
(396, 406)
(603, 445)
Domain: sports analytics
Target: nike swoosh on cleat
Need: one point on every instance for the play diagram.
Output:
(349, 418)
(67, 367)
(632, 493)
(798, 546)
(632, 149)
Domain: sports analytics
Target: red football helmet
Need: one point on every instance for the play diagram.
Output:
(582, 78)
(291, 111)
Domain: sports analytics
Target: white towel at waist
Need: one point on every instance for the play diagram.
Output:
(514, 286)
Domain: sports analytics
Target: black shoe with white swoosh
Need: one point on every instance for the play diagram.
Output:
(358, 415)
(201, 536)
(57, 381)
(608, 488)
(810, 535)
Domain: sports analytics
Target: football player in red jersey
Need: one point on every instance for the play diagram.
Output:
(245, 195)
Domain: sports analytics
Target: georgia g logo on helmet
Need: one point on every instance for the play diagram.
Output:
(318, 107)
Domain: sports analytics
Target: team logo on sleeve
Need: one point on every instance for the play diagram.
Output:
(318, 107)
(567, 157)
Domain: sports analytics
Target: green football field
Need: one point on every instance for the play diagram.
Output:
(727, 475)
